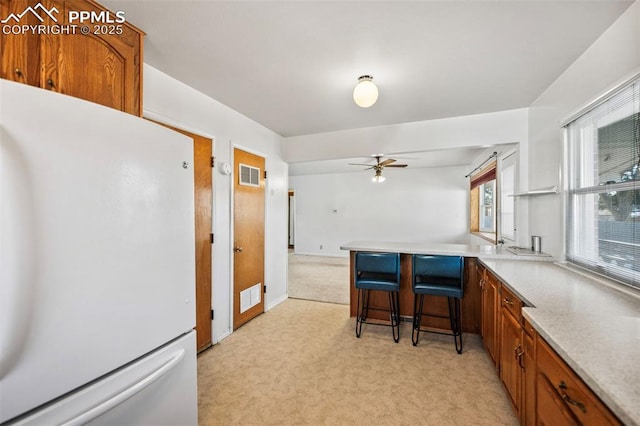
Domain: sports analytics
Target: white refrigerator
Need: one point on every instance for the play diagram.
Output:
(97, 280)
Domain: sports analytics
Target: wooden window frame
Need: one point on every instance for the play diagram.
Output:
(485, 175)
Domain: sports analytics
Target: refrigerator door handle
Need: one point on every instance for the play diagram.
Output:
(110, 403)
(18, 262)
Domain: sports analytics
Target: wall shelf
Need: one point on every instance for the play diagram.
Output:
(541, 191)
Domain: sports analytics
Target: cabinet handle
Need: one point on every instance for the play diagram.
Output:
(50, 83)
(566, 398)
(518, 354)
(481, 282)
(507, 301)
(19, 72)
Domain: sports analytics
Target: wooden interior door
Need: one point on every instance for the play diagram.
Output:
(203, 199)
(248, 217)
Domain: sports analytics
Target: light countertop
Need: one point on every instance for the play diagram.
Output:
(603, 350)
(486, 251)
(594, 325)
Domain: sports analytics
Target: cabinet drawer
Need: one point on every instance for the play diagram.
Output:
(511, 303)
(528, 328)
(553, 411)
(570, 390)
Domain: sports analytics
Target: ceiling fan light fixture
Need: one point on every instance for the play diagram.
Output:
(378, 178)
(365, 93)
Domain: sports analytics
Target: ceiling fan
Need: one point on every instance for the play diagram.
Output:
(379, 166)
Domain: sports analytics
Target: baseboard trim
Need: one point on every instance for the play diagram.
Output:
(276, 302)
(222, 336)
(320, 254)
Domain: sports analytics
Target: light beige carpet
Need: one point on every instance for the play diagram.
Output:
(321, 278)
(300, 363)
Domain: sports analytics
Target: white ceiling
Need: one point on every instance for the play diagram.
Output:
(292, 66)
(433, 158)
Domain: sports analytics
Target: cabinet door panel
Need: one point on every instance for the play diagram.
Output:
(90, 69)
(529, 385)
(20, 52)
(489, 316)
(510, 358)
(101, 68)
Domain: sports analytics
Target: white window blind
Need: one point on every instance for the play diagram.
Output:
(603, 214)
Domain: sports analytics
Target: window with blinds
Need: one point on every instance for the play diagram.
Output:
(603, 211)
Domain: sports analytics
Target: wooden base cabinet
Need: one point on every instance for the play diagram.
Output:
(528, 409)
(489, 287)
(511, 347)
(511, 351)
(562, 398)
(103, 65)
(509, 340)
(542, 388)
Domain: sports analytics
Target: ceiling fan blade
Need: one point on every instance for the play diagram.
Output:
(397, 165)
(387, 161)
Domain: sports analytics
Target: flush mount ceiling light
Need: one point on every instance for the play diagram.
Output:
(365, 93)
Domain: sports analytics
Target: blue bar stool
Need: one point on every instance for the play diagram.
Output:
(438, 276)
(381, 272)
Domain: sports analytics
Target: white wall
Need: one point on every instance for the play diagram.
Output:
(423, 204)
(613, 57)
(481, 130)
(457, 132)
(170, 101)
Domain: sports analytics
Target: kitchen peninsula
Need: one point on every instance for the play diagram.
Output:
(591, 325)
(471, 301)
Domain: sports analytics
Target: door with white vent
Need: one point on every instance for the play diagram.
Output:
(248, 249)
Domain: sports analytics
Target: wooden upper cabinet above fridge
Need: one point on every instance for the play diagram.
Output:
(103, 65)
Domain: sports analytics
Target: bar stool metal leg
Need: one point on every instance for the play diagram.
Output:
(361, 310)
(394, 314)
(457, 337)
(455, 320)
(418, 305)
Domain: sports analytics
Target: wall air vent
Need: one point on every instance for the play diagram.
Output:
(249, 176)
(250, 297)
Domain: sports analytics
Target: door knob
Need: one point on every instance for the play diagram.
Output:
(237, 249)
